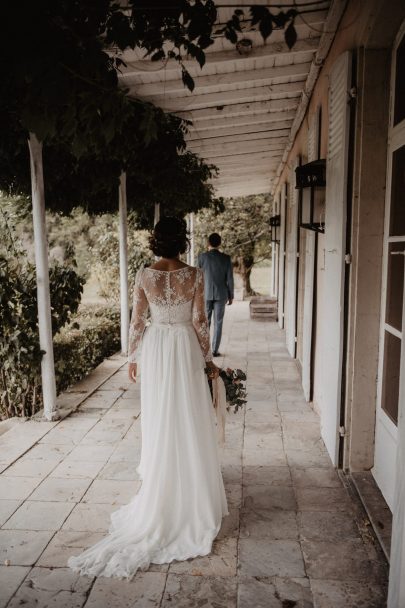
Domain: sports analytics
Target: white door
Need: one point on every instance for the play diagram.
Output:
(282, 255)
(335, 238)
(391, 337)
(292, 267)
(309, 277)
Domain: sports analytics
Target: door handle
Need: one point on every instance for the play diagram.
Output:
(397, 253)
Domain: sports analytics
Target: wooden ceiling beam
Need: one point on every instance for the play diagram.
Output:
(217, 159)
(238, 109)
(263, 145)
(234, 125)
(192, 102)
(215, 82)
(197, 144)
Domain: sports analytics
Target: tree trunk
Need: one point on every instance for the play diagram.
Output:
(245, 264)
(123, 247)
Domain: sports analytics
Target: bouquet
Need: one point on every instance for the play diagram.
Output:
(235, 387)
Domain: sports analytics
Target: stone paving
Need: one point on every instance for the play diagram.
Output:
(295, 536)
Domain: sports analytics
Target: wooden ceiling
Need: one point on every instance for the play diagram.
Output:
(243, 107)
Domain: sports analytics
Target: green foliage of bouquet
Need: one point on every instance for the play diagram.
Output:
(235, 388)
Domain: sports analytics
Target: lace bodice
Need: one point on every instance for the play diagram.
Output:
(169, 297)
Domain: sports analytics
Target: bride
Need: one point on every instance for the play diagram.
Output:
(177, 512)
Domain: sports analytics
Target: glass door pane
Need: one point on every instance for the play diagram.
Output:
(397, 215)
(395, 285)
(390, 385)
(399, 105)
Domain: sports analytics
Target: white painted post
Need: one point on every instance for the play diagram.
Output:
(273, 271)
(42, 272)
(123, 245)
(157, 214)
(192, 242)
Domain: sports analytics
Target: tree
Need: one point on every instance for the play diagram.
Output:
(186, 28)
(245, 230)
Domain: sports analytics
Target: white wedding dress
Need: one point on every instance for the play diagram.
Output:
(178, 510)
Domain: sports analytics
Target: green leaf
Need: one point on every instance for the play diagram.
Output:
(231, 35)
(258, 13)
(290, 35)
(266, 26)
(200, 56)
(205, 41)
(158, 55)
(187, 79)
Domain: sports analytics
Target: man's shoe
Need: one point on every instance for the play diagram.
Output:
(216, 354)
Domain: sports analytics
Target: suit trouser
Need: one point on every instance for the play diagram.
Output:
(218, 307)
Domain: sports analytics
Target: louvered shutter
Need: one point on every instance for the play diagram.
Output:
(282, 257)
(335, 237)
(291, 267)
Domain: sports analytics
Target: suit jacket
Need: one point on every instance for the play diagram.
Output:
(218, 274)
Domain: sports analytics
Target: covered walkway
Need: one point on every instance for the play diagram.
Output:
(296, 535)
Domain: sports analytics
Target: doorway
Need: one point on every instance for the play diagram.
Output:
(391, 351)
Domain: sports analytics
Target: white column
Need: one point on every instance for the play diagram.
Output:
(123, 245)
(273, 271)
(42, 271)
(157, 214)
(192, 242)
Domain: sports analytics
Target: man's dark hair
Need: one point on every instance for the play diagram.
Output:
(214, 240)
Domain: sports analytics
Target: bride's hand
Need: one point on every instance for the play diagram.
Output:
(132, 371)
(213, 370)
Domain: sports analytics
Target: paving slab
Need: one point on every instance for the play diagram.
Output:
(28, 467)
(275, 498)
(17, 488)
(89, 517)
(11, 578)
(348, 594)
(314, 477)
(39, 515)
(111, 491)
(318, 525)
(221, 562)
(344, 561)
(61, 489)
(274, 593)
(263, 557)
(64, 544)
(23, 547)
(185, 591)
(323, 499)
(59, 587)
(267, 475)
(145, 590)
(119, 470)
(273, 524)
(7, 508)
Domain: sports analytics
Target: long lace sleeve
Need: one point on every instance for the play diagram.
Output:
(139, 317)
(200, 322)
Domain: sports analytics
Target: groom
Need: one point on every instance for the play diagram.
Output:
(218, 274)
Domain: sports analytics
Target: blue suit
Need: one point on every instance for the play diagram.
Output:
(218, 275)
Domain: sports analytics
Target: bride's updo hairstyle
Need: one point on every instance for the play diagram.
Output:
(169, 237)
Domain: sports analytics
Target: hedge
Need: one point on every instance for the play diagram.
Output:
(78, 349)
